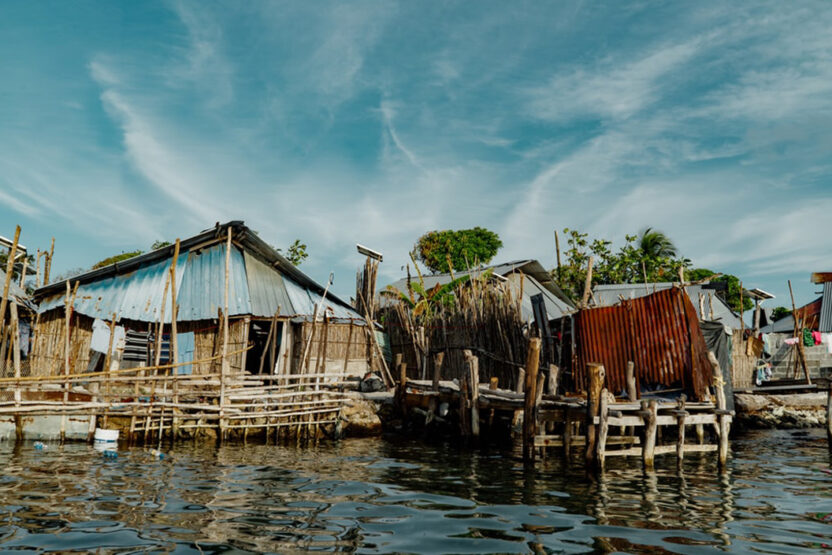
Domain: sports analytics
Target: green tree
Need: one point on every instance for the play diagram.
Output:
(780, 312)
(296, 253)
(160, 245)
(731, 294)
(442, 251)
(116, 258)
(655, 244)
(649, 256)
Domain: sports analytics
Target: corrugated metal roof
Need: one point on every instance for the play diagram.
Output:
(254, 288)
(555, 308)
(266, 289)
(609, 295)
(305, 300)
(826, 308)
(16, 293)
(202, 292)
(658, 332)
(136, 295)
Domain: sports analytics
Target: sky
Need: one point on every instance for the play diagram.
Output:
(373, 122)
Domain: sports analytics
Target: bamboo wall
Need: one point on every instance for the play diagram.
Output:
(47, 355)
(336, 348)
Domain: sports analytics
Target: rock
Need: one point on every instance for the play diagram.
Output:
(781, 411)
(360, 418)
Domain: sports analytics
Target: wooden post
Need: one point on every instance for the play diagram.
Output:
(829, 415)
(224, 363)
(69, 303)
(9, 270)
(603, 427)
(557, 251)
(722, 417)
(107, 364)
(15, 327)
(567, 433)
(474, 387)
(47, 265)
(401, 389)
(438, 359)
(521, 380)
(756, 316)
(23, 273)
(649, 412)
(680, 441)
(632, 390)
(37, 269)
(799, 334)
(554, 377)
(464, 414)
(597, 374)
(174, 342)
(529, 408)
(587, 284)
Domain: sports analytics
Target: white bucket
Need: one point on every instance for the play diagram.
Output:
(108, 436)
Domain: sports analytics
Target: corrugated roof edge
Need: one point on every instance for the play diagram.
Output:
(241, 234)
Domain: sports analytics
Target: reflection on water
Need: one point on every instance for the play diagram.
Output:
(396, 495)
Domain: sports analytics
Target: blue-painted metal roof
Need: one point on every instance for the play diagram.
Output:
(136, 295)
(266, 289)
(254, 289)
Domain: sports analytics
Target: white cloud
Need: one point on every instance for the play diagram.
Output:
(611, 88)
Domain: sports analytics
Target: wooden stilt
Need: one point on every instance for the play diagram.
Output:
(680, 441)
(650, 414)
(9, 271)
(603, 427)
(15, 325)
(438, 359)
(224, 363)
(723, 425)
(474, 386)
(597, 375)
(529, 408)
(829, 415)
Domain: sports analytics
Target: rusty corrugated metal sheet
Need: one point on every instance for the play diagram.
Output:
(659, 333)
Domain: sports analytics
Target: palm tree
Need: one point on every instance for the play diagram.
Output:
(655, 244)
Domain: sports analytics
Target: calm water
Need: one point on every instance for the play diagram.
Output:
(392, 495)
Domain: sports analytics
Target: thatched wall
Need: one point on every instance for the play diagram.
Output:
(484, 317)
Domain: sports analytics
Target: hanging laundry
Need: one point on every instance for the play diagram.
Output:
(25, 332)
(791, 341)
(816, 336)
(100, 336)
(827, 339)
(808, 341)
(767, 343)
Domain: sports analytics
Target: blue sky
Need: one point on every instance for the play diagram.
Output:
(373, 122)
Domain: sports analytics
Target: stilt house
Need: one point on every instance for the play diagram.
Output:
(271, 305)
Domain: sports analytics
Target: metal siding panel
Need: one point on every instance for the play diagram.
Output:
(203, 285)
(266, 289)
(826, 308)
(658, 332)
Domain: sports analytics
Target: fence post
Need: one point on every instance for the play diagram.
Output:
(529, 408)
